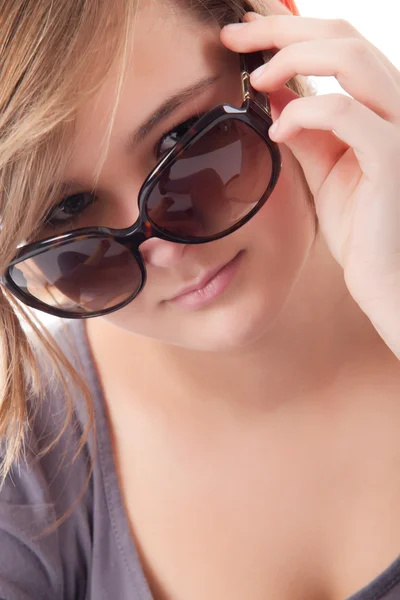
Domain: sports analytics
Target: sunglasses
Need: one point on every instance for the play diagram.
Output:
(212, 181)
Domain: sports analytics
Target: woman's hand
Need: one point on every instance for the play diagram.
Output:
(348, 146)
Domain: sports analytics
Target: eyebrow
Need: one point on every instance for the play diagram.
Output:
(167, 108)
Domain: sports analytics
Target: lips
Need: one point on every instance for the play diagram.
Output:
(202, 281)
(209, 286)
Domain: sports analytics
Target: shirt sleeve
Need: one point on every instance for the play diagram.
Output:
(45, 533)
(30, 566)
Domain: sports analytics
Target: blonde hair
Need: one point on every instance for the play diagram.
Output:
(47, 49)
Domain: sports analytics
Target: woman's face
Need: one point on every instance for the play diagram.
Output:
(171, 52)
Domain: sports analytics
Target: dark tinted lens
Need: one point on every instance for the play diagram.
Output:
(214, 184)
(84, 276)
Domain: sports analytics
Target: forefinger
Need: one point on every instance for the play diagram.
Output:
(278, 31)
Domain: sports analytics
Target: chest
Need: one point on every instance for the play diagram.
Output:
(293, 510)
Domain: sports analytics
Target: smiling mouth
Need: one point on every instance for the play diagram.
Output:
(211, 285)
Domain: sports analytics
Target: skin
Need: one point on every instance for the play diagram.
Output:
(266, 421)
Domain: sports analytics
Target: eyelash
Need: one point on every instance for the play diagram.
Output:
(68, 224)
(187, 123)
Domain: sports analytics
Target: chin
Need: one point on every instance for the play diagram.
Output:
(236, 323)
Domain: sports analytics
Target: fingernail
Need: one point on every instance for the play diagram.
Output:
(257, 73)
(234, 26)
(274, 128)
(252, 16)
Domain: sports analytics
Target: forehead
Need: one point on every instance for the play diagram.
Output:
(166, 36)
(169, 51)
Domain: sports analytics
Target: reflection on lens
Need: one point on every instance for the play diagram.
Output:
(82, 276)
(214, 184)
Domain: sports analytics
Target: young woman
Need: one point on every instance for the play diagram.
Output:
(214, 412)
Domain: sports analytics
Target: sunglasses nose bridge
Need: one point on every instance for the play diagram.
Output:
(135, 238)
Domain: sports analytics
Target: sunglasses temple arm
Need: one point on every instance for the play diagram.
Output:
(248, 63)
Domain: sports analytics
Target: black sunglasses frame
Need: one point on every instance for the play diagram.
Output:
(255, 112)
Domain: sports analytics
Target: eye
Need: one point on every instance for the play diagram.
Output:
(70, 208)
(172, 137)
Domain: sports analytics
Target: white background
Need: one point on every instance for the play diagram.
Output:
(377, 20)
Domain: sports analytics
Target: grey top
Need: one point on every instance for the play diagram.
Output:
(91, 556)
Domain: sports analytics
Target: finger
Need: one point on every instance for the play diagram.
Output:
(321, 148)
(351, 61)
(376, 143)
(278, 31)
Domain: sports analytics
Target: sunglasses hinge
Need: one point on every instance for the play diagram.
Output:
(246, 85)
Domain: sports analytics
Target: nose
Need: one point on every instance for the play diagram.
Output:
(160, 253)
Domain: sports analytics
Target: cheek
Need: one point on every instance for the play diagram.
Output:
(136, 316)
(285, 226)
(142, 317)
